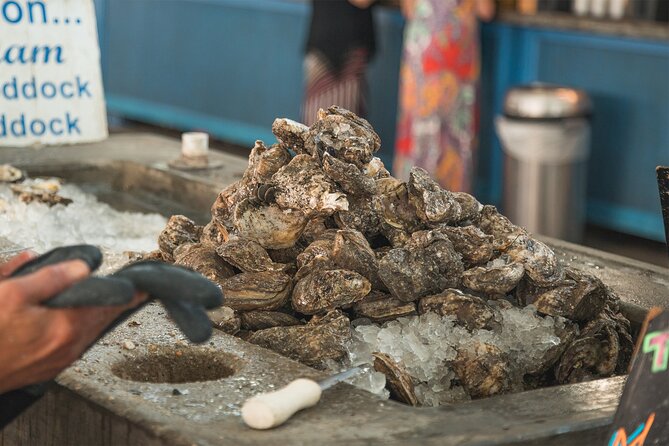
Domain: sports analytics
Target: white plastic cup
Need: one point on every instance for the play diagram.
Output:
(194, 144)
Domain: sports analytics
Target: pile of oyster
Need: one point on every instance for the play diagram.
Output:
(37, 190)
(317, 233)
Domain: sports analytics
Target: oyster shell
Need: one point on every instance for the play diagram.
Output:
(470, 242)
(212, 235)
(426, 265)
(266, 161)
(225, 319)
(348, 176)
(10, 174)
(291, 134)
(321, 290)
(469, 206)
(351, 250)
(398, 381)
(178, 231)
(503, 231)
(267, 290)
(482, 370)
(321, 247)
(360, 216)
(579, 297)
(343, 135)
(260, 320)
(539, 260)
(223, 209)
(269, 225)
(38, 193)
(302, 185)
(433, 204)
(469, 311)
(312, 344)
(202, 258)
(594, 354)
(394, 208)
(494, 279)
(375, 169)
(248, 256)
(380, 307)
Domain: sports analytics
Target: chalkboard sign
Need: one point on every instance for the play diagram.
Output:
(642, 418)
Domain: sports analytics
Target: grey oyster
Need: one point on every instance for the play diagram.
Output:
(225, 319)
(360, 216)
(579, 296)
(433, 204)
(381, 307)
(398, 381)
(494, 279)
(351, 250)
(223, 208)
(269, 225)
(348, 176)
(470, 311)
(503, 231)
(266, 161)
(539, 260)
(343, 135)
(291, 134)
(426, 265)
(248, 256)
(302, 185)
(470, 242)
(260, 320)
(179, 230)
(202, 258)
(313, 344)
(321, 291)
(267, 290)
(469, 206)
(483, 370)
(394, 208)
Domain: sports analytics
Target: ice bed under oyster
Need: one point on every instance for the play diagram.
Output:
(324, 257)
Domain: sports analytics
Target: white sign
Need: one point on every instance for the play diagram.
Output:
(50, 81)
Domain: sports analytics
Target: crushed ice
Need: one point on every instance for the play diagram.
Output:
(85, 220)
(427, 344)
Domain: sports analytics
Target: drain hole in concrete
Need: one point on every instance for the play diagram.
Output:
(177, 366)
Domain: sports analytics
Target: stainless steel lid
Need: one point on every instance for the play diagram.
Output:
(546, 101)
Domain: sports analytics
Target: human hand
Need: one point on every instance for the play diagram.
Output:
(37, 342)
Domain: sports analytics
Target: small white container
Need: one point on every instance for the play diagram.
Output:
(581, 7)
(194, 144)
(598, 8)
(617, 9)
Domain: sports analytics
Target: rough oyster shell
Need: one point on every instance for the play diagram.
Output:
(321, 290)
(375, 169)
(348, 176)
(343, 135)
(579, 297)
(291, 134)
(202, 258)
(179, 230)
(469, 206)
(312, 344)
(37, 193)
(426, 265)
(360, 216)
(351, 250)
(482, 370)
(225, 319)
(212, 235)
(267, 290)
(260, 320)
(269, 225)
(494, 279)
(266, 161)
(592, 355)
(380, 307)
(248, 256)
(394, 208)
(398, 381)
(469, 311)
(539, 260)
(503, 231)
(470, 242)
(223, 209)
(433, 204)
(10, 174)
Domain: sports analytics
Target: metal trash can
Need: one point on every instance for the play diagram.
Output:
(545, 134)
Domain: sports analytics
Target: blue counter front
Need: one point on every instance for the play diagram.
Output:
(231, 66)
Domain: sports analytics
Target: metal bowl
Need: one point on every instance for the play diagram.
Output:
(546, 101)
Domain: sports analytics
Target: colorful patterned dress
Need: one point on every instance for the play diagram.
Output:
(438, 82)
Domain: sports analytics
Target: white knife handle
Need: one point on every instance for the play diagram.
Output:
(272, 409)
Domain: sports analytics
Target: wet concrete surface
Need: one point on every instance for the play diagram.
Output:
(207, 412)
